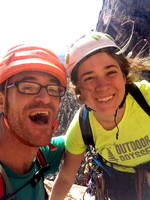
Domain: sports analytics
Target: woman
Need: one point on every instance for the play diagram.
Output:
(120, 127)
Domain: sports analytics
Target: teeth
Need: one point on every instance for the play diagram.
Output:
(39, 112)
(39, 117)
(105, 99)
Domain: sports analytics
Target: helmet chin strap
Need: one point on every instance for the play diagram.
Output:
(89, 109)
(123, 100)
(55, 126)
(119, 107)
(115, 115)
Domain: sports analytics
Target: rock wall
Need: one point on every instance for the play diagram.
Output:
(68, 108)
(127, 20)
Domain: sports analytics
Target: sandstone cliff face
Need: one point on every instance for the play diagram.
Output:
(120, 17)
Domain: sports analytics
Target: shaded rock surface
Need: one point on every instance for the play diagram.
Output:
(68, 108)
(76, 192)
(125, 20)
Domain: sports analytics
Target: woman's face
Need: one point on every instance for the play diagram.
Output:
(101, 83)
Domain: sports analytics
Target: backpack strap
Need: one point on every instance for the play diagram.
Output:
(2, 190)
(4, 180)
(138, 96)
(41, 161)
(84, 114)
(85, 126)
(88, 136)
(40, 157)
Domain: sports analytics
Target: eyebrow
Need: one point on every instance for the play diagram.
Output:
(105, 67)
(53, 80)
(86, 73)
(110, 66)
(28, 78)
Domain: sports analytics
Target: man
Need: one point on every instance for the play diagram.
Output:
(32, 82)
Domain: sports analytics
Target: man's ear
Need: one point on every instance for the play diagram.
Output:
(1, 102)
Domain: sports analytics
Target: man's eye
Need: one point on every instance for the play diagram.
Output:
(53, 89)
(27, 88)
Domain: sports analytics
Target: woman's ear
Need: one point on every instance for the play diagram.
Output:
(79, 95)
(1, 102)
(77, 90)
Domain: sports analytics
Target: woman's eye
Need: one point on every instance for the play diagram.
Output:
(88, 78)
(111, 73)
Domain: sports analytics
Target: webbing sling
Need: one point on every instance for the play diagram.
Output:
(84, 114)
(85, 126)
(5, 180)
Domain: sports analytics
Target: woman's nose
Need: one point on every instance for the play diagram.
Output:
(101, 84)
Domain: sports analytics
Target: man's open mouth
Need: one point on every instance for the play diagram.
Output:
(39, 117)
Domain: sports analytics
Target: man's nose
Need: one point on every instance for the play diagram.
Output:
(42, 95)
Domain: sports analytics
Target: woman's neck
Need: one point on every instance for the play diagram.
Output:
(109, 122)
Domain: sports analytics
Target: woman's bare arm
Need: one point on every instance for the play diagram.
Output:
(66, 176)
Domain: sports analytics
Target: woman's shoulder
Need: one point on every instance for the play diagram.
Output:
(75, 119)
(144, 87)
(144, 84)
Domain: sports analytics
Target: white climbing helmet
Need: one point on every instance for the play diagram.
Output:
(86, 45)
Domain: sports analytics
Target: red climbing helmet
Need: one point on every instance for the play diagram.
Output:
(31, 58)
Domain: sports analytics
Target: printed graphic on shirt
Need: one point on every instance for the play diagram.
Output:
(128, 151)
(133, 149)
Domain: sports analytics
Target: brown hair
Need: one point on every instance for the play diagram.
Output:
(2, 86)
(129, 67)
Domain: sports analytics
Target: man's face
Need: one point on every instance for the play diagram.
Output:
(31, 117)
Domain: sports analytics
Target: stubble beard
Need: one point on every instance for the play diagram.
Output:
(22, 132)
